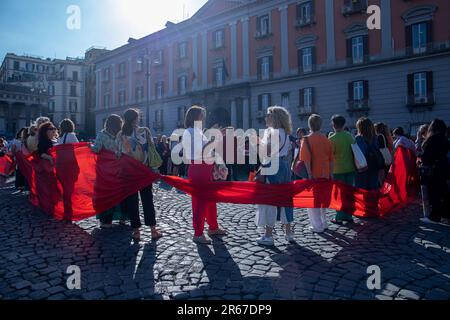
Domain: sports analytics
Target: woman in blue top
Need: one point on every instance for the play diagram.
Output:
(367, 142)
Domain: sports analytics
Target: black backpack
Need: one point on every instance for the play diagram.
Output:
(375, 157)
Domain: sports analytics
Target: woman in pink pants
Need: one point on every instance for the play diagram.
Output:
(200, 173)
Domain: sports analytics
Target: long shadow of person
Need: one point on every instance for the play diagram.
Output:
(67, 172)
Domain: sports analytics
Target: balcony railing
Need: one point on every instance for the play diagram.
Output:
(304, 21)
(354, 6)
(262, 34)
(427, 101)
(355, 106)
(158, 125)
(305, 111)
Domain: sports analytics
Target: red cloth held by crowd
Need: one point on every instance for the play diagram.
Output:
(83, 184)
(7, 165)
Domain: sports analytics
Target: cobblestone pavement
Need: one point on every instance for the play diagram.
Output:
(35, 252)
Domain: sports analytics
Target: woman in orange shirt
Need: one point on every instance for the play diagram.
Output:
(317, 153)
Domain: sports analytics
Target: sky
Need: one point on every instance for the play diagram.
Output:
(39, 27)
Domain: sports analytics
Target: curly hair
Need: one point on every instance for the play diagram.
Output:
(281, 118)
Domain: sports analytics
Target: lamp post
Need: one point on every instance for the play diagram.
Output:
(39, 89)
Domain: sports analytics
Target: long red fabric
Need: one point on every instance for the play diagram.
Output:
(82, 184)
(6, 165)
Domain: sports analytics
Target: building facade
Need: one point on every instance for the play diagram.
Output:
(61, 80)
(19, 105)
(237, 58)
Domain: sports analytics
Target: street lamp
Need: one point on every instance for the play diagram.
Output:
(147, 76)
(40, 90)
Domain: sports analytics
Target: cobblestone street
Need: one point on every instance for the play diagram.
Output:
(35, 252)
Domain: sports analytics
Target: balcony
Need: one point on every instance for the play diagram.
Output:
(304, 22)
(354, 6)
(262, 35)
(420, 102)
(358, 106)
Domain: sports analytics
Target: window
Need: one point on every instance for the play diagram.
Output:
(122, 96)
(219, 76)
(75, 75)
(73, 117)
(51, 106)
(16, 65)
(158, 125)
(420, 88)
(139, 64)
(51, 89)
(122, 70)
(307, 60)
(419, 37)
(306, 100)
(139, 94)
(158, 60)
(73, 91)
(159, 88)
(304, 13)
(106, 74)
(218, 39)
(265, 100)
(285, 100)
(182, 50)
(106, 100)
(73, 106)
(30, 67)
(358, 92)
(40, 68)
(264, 25)
(265, 68)
(357, 50)
(182, 84)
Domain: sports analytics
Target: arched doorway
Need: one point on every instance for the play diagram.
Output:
(219, 115)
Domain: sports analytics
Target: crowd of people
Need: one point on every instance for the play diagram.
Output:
(305, 154)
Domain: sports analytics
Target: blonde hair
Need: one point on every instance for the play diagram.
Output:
(315, 123)
(281, 118)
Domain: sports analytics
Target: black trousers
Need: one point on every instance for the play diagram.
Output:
(437, 191)
(131, 205)
(20, 179)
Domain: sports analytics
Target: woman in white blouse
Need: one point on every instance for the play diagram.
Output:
(67, 132)
(200, 173)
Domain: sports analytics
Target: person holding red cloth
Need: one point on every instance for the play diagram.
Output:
(200, 174)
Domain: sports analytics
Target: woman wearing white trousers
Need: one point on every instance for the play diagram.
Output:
(317, 153)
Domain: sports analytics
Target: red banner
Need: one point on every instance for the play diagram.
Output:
(7, 165)
(82, 184)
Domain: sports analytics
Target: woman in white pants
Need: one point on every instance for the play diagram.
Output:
(317, 153)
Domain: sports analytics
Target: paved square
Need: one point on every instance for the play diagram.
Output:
(35, 252)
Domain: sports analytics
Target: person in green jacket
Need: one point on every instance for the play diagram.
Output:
(344, 168)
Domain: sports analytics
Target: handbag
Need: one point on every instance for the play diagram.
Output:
(359, 158)
(298, 166)
(154, 159)
(387, 156)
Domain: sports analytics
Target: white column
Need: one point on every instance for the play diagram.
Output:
(130, 82)
(245, 113)
(233, 113)
(170, 70)
(98, 91)
(284, 40)
(245, 49)
(233, 51)
(113, 91)
(205, 59)
(195, 60)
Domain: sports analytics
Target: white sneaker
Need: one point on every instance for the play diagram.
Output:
(427, 220)
(289, 237)
(265, 241)
(315, 230)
